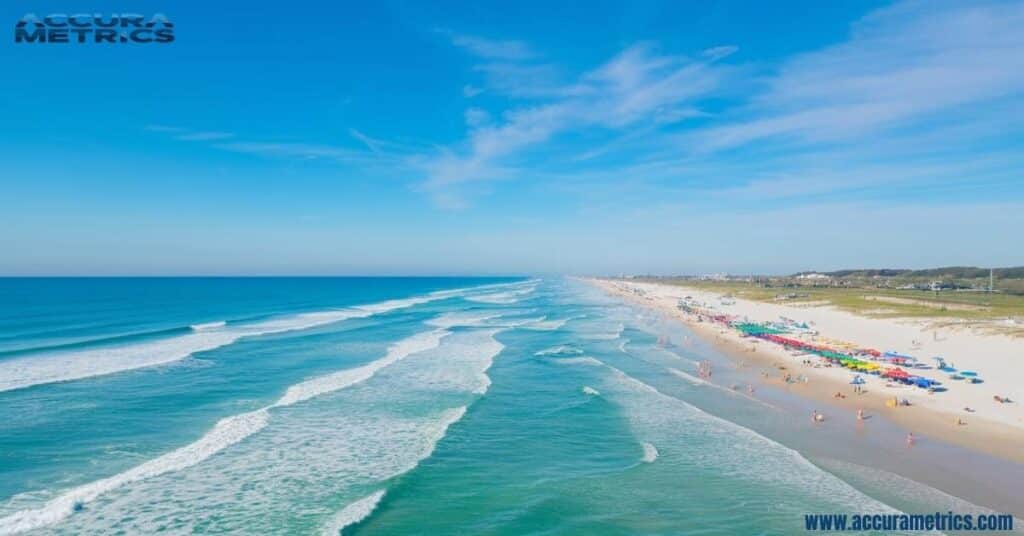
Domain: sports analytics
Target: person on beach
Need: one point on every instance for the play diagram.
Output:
(814, 416)
(910, 439)
(860, 414)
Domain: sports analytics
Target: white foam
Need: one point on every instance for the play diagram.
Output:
(344, 378)
(650, 453)
(559, 350)
(546, 325)
(702, 382)
(506, 297)
(353, 513)
(581, 361)
(463, 364)
(740, 450)
(462, 319)
(208, 325)
(39, 369)
(590, 391)
(689, 377)
(225, 433)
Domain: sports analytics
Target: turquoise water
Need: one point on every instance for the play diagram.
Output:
(375, 406)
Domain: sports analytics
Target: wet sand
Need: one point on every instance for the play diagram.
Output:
(980, 462)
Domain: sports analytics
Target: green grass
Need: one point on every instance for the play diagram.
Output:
(972, 307)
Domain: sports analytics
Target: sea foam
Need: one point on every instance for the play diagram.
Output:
(226, 432)
(650, 453)
(353, 513)
(344, 378)
(64, 366)
(208, 325)
(733, 449)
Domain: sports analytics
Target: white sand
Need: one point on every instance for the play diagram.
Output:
(998, 359)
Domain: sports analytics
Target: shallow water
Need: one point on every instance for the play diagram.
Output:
(390, 406)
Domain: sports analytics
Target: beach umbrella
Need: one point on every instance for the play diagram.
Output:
(968, 373)
(896, 373)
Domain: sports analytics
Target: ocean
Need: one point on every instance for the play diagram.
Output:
(388, 406)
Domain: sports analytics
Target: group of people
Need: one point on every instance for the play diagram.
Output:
(818, 417)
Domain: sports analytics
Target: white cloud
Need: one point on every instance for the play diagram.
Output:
(717, 53)
(477, 117)
(637, 86)
(492, 49)
(371, 144)
(905, 63)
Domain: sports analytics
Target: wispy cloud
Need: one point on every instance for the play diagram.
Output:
(204, 136)
(638, 86)
(370, 143)
(892, 105)
(376, 152)
(901, 64)
(910, 79)
(300, 150)
(491, 48)
(719, 52)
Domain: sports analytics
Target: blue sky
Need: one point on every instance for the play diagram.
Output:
(471, 137)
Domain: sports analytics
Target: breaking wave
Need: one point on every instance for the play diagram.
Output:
(43, 368)
(226, 432)
(353, 513)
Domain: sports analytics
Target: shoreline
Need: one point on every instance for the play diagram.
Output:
(1000, 438)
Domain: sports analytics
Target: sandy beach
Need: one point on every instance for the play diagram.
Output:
(963, 414)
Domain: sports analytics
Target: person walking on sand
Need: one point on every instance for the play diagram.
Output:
(860, 414)
(910, 439)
